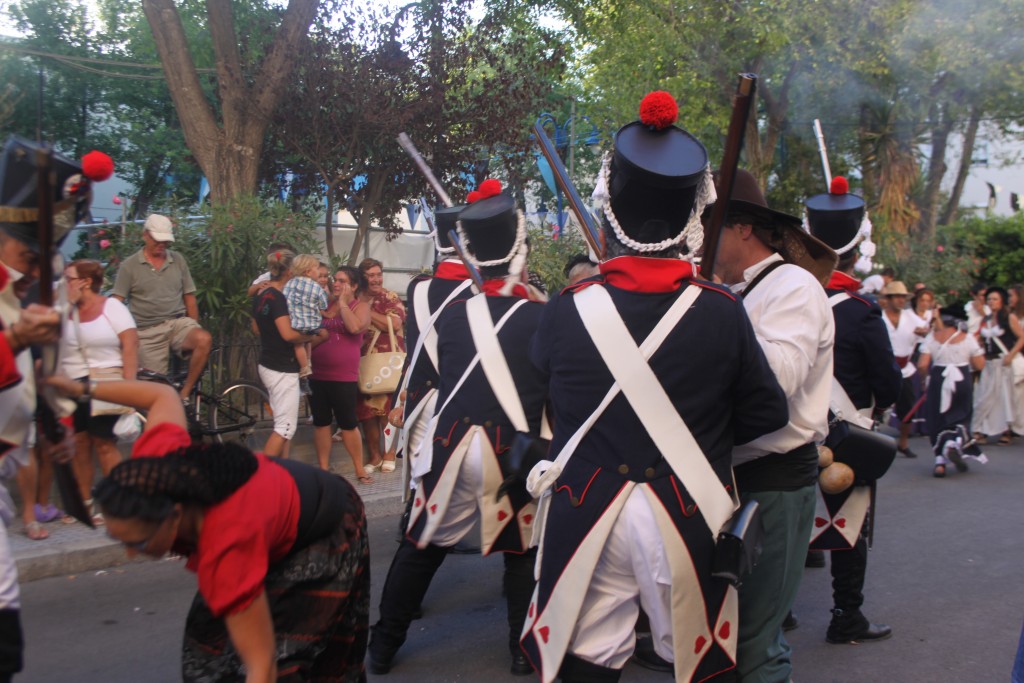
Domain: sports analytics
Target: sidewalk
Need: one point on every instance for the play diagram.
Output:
(75, 548)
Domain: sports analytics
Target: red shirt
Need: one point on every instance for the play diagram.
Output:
(242, 535)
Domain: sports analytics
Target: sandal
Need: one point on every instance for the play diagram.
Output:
(337, 437)
(1005, 440)
(35, 531)
(940, 471)
(980, 438)
(46, 513)
(366, 479)
(387, 466)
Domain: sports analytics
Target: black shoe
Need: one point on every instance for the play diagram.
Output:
(847, 627)
(645, 656)
(521, 665)
(815, 559)
(380, 655)
(907, 452)
(790, 622)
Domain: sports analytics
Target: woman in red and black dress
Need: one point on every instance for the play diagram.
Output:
(280, 548)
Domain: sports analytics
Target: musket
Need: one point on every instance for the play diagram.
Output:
(67, 484)
(824, 154)
(406, 143)
(474, 272)
(745, 90)
(592, 232)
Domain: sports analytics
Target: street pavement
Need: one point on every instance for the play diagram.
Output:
(945, 572)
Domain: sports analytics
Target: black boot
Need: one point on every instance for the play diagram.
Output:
(576, 670)
(848, 624)
(790, 622)
(853, 627)
(518, 584)
(407, 582)
(815, 559)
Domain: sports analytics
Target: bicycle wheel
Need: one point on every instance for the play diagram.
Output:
(241, 413)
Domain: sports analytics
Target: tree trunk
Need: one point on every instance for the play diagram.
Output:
(329, 224)
(949, 213)
(374, 189)
(936, 172)
(869, 174)
(228, 151)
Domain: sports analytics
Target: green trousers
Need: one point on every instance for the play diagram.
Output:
(767, 595)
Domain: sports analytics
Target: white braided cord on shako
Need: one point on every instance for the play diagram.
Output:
(519, 244)
(444, 251)
(863, 237)
(706, 196)
(692, 232)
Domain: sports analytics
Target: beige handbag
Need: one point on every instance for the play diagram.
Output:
(380, 372)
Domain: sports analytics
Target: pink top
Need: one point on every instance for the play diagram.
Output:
(337, 359)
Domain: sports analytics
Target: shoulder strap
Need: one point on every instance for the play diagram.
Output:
(476, 359)
(666, 427)
(495, 366)
(837, 299)
(425, 320)
(765, 272)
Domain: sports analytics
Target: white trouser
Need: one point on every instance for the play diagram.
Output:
(8, 574)
(633, 564)
(464, 506)
(283, 388)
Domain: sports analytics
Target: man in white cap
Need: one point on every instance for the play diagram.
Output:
(160, 293)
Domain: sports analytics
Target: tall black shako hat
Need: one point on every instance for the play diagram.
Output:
(655, 183)
(19, 189)
(445, 218)
(836, 216)
(494, 232)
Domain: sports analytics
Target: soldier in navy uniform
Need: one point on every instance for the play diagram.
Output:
(488, 392)
(642, 483)
(426, 296)
(21, 328)
(866, 370)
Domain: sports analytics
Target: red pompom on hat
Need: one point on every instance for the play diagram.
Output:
(839, 186)
(490, 188)
(97, 166)
(474, 196)
(659, 110)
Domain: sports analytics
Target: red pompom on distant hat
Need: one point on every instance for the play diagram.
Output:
(839, 186)
(474, 196)
(490, 188)
(97, 166)
(659, 110)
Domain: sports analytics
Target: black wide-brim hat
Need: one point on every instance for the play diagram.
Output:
(787, 235)
(490, 226)
(445, 218)
(19, 192)
(654, 179)
(835, 219)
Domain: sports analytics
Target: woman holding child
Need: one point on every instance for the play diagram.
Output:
(278, 367)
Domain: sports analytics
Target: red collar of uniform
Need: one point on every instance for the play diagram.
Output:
(646, 274)
(451, 270)
(493, 288)
(844, 282)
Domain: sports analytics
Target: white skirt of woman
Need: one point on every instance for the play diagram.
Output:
(995, 405)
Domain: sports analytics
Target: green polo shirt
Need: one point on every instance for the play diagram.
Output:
(152, 295)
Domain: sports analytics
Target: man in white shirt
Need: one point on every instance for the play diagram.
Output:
(794, 325)
(906, 330)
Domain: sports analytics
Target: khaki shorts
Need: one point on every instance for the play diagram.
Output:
(157, 342)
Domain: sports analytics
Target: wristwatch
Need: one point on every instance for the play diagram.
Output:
(88, 386)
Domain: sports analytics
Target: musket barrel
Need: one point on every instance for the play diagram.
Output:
(745, 89)
(406, 142)
(824, 154)
(588, 225)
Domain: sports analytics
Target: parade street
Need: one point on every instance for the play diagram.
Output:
(944, 573)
